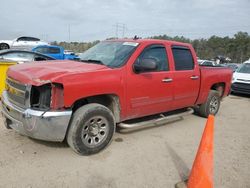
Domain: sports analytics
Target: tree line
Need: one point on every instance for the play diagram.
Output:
(237, 48)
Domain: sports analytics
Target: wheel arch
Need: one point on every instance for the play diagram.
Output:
(220, 87)
(5, 44)
(111, 101)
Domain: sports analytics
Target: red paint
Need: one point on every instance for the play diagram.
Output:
(139, 94)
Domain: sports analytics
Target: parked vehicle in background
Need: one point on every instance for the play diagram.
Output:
(22, 56)
(241, 79)
(21, 43)
(207, 63)
(114, 81)
(69, 52)
(232, 66)
(56, 52)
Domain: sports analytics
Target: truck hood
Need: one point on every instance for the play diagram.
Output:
(38, 73)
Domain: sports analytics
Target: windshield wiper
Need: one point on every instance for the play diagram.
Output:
(93, 61)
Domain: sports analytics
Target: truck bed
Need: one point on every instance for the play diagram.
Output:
(210, 75)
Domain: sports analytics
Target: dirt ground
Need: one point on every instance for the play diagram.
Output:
(155, 157)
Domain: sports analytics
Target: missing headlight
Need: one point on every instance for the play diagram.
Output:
(40, 97)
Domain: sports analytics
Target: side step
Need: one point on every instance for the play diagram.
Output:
(156, 121)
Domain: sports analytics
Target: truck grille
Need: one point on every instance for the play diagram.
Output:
(16, 92)
(241, 87)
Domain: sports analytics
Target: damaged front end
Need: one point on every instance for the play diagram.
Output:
(48, 96)
(36, 111)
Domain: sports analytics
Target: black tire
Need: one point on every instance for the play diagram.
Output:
(4, 46)
(91, 129)
(211, 106)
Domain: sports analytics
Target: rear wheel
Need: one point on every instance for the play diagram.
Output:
(91, 129)
(4, 46)
(211, 106)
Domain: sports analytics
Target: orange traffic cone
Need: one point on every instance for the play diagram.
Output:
(201, 175)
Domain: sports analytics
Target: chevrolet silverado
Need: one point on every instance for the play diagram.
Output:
(114, 81)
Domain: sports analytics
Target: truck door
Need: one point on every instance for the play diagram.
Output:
(150, 92)
(186, 77)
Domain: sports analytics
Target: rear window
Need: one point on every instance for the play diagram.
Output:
(183, 58)
(47, 50)
(54, 50)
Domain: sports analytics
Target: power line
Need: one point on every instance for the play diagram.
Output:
(120, 28)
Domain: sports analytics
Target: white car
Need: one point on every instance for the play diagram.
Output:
(241, 79)
(206, 63)
(21, 42)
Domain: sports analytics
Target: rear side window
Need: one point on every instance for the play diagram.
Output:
(48, 50)
(183, 58)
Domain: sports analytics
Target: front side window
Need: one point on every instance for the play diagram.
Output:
(28, 39)
(158, 54)
(21, 39)
(110, 53)
(183, 58)
(32, 39)
(41, 50)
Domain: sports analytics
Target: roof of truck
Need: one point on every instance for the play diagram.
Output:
(152, 41)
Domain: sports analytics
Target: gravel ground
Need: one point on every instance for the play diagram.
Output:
(155, 157)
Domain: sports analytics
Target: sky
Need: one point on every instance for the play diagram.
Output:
(89, 20)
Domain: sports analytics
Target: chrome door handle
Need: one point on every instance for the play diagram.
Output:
(167, 80)
(194, 77)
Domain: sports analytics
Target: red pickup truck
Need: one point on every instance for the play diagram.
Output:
(114, 81)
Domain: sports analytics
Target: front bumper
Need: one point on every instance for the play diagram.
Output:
(42, 125)
(239, 87)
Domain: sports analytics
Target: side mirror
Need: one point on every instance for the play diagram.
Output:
(145, 65)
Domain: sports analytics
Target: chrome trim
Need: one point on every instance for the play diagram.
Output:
(194, 77)
(167, 80)
(43, 125)
(19, 90)
(157, 121)
(24, 89)
(27, 96)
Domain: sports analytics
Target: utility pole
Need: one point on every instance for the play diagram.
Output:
(116, 30)
(69, 31)
(123, 30)
(120, 28)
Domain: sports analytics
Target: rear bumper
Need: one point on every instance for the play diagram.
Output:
(42, 125)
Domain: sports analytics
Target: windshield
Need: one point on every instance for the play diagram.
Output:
(109, 53)
(245, 68)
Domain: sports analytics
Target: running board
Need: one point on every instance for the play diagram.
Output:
(156, 121)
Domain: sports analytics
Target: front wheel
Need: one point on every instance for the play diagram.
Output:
(211, 106)
(91, 129)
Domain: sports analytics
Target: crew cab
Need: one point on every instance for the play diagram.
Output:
(114, 81)
(56, 52)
